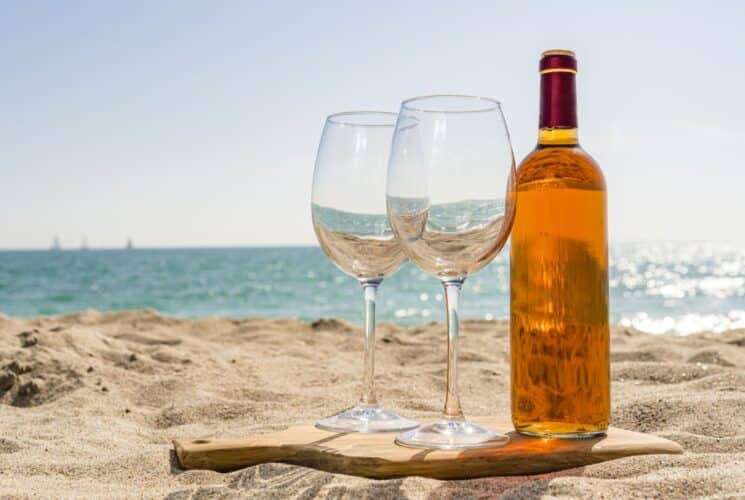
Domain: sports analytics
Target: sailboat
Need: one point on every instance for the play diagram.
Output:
(84, 245)
(129, 245)
(56, 244)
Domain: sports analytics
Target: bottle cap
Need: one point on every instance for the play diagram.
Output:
(558, 61)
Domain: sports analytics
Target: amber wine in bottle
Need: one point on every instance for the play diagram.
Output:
(559, 274)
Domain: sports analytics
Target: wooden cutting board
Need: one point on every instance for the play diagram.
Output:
(377, 456)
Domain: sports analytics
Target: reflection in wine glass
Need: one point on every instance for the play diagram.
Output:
(348, 207)
(450, 197)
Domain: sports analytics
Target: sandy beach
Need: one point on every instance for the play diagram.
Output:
(90, 402)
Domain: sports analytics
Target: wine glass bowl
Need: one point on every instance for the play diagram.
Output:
(450, 190)
(348, 202)
(349, 218)
(450, 202)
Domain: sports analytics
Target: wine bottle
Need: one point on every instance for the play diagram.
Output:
(559, 333)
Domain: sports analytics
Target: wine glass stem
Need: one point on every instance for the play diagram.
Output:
(452, 401)
(370, 288)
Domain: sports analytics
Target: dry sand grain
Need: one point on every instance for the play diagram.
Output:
(89, 403)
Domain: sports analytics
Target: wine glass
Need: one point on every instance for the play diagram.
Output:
(450, 201)
(349, 218)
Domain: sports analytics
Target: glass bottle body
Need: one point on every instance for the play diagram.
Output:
(559, 293)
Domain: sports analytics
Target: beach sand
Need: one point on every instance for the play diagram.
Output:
(91, 401)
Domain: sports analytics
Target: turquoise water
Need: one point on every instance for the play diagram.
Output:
(657, 287)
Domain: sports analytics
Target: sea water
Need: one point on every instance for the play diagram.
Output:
(655, 287)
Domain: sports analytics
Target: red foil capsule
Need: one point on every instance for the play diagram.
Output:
(558, 91)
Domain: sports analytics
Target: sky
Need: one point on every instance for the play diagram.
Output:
(181, 123)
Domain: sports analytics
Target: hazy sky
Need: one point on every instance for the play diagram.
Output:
(196, 123)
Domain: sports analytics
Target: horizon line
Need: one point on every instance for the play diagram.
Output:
(155, 247)
(288, 245)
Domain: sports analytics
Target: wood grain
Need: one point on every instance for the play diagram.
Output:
(376, 455)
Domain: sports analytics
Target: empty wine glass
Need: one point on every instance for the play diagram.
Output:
(450, 198)
(349, 218)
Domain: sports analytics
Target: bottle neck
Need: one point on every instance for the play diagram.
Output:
(558, 118)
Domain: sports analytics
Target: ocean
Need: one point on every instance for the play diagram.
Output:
(655, 287)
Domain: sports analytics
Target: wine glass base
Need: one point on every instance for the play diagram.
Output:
(451, 435)
(366, 418)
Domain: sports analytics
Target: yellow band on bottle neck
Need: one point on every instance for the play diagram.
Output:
(557, 136)
(559, 70)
